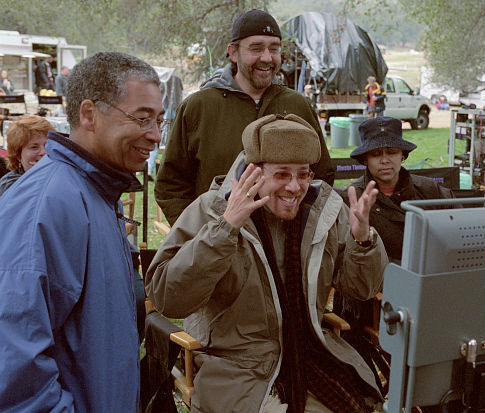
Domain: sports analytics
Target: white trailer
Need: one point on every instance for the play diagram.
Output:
(19, 51)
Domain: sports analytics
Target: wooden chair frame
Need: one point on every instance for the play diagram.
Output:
(183, 381)
(130, 203)
(161, 226)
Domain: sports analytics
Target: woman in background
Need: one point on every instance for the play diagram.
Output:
(382, 152)
(26, 139)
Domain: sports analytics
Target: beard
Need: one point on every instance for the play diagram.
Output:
(256, 79)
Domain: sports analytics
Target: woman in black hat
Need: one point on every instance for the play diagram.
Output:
(382, 150)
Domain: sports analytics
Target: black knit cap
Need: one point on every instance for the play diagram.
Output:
(381, 132)
(253, 23)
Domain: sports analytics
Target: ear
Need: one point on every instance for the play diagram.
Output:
(87, 114)
(232, 52)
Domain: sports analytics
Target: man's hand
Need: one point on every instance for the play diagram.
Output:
(360, 209)
(241, 203)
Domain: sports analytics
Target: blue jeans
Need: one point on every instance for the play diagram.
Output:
(152, 159)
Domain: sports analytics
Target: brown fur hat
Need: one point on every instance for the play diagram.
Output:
(281, 139)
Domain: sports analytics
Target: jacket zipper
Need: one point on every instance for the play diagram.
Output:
(128, 260)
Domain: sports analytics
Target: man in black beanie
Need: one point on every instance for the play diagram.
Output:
(206, 134)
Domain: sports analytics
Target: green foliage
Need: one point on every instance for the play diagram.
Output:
(162, 31)
(286, 9)
(450, 32)
(150, 29)
(383, 19)
(454, 40)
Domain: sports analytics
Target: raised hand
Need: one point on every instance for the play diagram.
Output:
(360, 210)
(241, 203)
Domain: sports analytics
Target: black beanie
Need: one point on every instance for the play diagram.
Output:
(253, 23)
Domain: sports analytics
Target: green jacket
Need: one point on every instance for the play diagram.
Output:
(218, 278)
(206, 138)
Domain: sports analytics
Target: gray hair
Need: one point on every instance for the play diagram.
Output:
(102, 78)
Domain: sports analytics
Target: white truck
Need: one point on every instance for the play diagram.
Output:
(402, 102)
(19, 52)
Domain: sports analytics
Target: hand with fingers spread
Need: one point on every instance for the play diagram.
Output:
(241, 203)
(360, 210)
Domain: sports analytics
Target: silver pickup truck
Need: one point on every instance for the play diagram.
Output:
(403, 103)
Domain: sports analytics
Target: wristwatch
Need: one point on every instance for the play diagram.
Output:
(370, 241)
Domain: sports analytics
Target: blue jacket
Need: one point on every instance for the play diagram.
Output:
(68, 337)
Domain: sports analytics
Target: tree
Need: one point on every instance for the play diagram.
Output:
(383, 20)
(150, 29)
(454, 40)
(201, 28)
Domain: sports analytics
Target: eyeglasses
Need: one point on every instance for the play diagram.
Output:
(257, 50)
(145, 123)
(284, 178)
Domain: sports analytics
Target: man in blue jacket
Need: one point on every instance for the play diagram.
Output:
(68, 337)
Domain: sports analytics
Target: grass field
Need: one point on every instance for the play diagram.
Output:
(406, 64)
(432, 147)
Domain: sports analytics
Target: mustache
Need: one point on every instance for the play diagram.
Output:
(264, 66)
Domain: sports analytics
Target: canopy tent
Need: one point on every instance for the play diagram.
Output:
(341, 55)
(20, 52)
(172, 90)
(172, 95)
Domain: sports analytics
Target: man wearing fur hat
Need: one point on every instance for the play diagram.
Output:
(250, 264)
(206, 132)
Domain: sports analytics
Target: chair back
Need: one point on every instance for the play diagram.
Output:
(50, 100)
(13, 104)
(349, 168)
